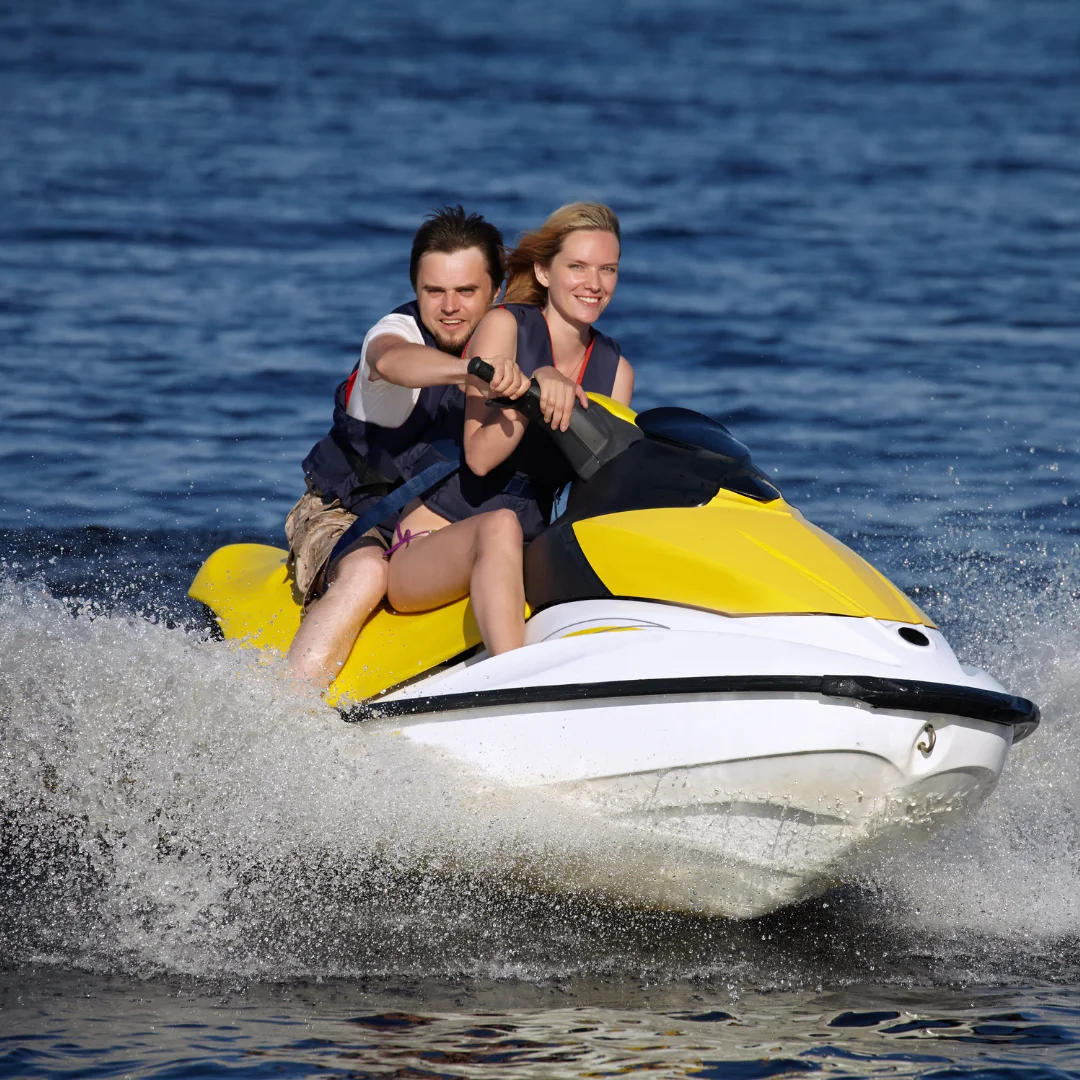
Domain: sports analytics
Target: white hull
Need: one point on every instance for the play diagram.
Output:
(733, 804)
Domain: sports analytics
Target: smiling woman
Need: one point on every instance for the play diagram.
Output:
(560, 278)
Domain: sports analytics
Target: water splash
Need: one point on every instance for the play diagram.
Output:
(1011, 875)
(174, 803)
(171, 803)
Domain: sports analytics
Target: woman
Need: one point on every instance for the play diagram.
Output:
(560, 279)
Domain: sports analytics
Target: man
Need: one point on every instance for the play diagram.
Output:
(409, 362)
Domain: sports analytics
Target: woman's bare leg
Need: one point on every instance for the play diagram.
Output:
(481, 555)
(357, 583)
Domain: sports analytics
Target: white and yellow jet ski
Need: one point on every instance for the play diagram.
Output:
(749, 701)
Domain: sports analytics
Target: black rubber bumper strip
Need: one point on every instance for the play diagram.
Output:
(943, 699)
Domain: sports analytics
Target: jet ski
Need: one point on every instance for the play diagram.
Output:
(748, 708)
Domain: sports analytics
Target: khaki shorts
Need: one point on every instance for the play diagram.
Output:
(313, 528)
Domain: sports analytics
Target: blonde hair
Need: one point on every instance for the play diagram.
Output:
(543, 244)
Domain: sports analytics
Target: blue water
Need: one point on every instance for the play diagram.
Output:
(851, 231)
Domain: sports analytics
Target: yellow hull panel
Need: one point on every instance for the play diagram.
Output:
(616, 408)
(738, 557)
(247, 588)
(734, 556)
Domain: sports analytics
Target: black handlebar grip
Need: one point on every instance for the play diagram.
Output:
(481, 369)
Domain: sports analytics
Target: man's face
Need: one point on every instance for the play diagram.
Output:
(454, 293)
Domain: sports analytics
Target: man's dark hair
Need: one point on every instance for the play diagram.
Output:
(450, 229)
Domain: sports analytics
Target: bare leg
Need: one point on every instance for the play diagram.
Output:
(357, 582)
(481, 555)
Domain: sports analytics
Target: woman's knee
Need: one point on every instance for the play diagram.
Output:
(502, 529)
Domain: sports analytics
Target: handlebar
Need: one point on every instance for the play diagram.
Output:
(594, 437)
(529, 402)
(481, 369)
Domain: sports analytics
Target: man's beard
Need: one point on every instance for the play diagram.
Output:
(451, 346)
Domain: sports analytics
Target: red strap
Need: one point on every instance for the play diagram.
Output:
(349, 386)
(588, 353)
(584, 359)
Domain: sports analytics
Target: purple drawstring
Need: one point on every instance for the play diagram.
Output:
(404, 540)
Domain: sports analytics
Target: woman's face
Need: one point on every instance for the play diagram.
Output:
(582, 276)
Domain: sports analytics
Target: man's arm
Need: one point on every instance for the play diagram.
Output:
(375, 400)
(395, 360)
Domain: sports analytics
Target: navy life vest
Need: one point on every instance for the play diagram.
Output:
(534, 343)
(357, 462)
(531, 476)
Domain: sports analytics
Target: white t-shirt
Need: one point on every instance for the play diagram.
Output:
(381, 402)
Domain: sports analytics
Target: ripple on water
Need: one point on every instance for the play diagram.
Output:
(475, 1029)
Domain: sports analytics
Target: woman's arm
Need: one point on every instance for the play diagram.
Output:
(623, 390)
(491, 435)
(558, 396)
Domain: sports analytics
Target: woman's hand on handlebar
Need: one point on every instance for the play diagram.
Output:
(557, 397)
(508, 380)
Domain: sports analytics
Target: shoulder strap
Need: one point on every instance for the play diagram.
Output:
(599, 378)
(412, 309)
(534, 341)
(597, 373)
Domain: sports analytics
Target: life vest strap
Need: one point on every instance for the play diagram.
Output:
(401, 496)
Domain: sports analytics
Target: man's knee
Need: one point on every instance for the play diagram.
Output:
(361, 570)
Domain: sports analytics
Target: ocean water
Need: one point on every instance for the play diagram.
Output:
(851, 231)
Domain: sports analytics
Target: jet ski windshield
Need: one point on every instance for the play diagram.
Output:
(665, 457)
(732, 467)
(689, 428)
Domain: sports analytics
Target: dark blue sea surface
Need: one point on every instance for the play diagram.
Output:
(851, 232)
